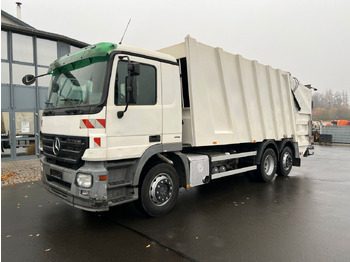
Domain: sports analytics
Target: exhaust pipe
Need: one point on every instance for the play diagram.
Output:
(19, 10)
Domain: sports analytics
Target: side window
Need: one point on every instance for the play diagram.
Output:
(144, 92)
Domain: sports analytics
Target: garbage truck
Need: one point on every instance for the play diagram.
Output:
(126, 124)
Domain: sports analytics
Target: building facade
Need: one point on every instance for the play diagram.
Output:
(25, 50)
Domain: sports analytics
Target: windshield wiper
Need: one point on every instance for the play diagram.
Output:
(50, 109)
(71, 100)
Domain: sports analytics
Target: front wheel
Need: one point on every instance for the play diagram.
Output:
(159, 190)
(268, 165)
(286, 162)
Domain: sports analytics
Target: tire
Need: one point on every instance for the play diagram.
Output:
(268, 165)
(286, 162)
(165, 178)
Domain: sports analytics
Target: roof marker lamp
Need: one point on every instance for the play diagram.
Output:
(84, 180)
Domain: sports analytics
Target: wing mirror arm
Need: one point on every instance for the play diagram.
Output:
(30, 79)
(133, 71)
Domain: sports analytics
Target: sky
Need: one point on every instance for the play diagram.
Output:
(310, 39)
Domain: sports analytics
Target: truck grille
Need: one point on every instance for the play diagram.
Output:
(70, 152)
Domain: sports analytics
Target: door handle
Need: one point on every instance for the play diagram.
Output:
(153, 139)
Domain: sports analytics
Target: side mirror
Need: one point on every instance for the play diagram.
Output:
(28, 79)
(130, 86)
(55, 88)
(130, 80)
(134, 69)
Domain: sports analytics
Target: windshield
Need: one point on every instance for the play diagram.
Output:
(77, 84)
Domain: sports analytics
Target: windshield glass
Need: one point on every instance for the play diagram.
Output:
(77, 84)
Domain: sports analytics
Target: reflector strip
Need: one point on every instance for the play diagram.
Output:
(97, 141)
(87, 123)
(92, 123)
(102, 122)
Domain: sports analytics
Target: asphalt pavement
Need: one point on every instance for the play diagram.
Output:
(305, 217)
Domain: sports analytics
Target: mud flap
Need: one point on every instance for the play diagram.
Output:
(309, 151)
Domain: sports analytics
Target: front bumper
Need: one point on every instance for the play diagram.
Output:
(61, 182)
(102, 195)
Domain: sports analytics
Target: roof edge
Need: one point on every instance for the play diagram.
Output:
(19, 21)
(34, 32)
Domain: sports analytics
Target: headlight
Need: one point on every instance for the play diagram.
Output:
(84, 180)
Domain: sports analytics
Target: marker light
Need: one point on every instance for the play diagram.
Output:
(102, 178)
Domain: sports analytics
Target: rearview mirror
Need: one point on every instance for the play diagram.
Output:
(134, 69)
(130, 81)
(28, 79)
(130, 87)
(55, 88)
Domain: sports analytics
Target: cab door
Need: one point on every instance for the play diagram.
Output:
(141, 125)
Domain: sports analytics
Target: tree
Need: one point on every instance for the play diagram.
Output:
(338, 101)
(345, 101)
(331, 106)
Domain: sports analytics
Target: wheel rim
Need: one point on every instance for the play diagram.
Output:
(161, 189)
(269, 165)
(287, 161)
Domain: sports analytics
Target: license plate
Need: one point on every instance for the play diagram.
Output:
(56, 173)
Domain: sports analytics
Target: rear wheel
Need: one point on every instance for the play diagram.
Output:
(286, 162)
(268, 165)
(159, 190)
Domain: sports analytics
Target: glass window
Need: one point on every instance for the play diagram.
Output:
(78, 84)
(25, 147)
(19, 71)
(5, 97)
(5, 73)
(44, 80)
(4, 45)
(5, 149)
(5, 125)
(24, 97)
(43, 97)
(5, 135)
(24, 124)
(22, 48)
(144, 92)
(62, 49)
(74, 49)
(47, 51)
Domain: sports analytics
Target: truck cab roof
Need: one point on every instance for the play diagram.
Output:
(104, 50)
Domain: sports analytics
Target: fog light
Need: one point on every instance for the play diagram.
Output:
(85, 192)
(84, 180)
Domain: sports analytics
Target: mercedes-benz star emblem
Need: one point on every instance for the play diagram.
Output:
(56, 146)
